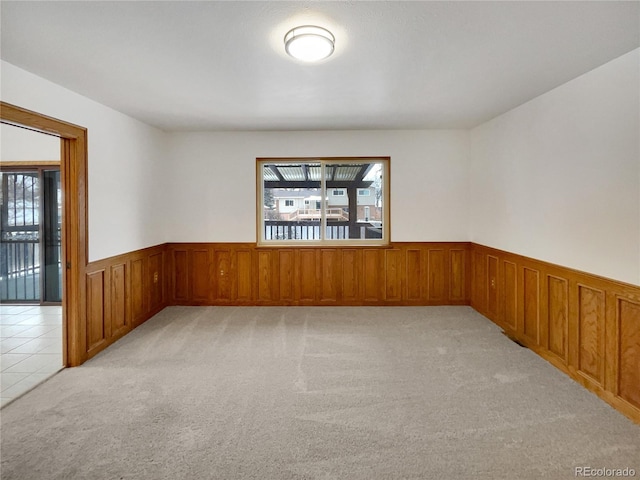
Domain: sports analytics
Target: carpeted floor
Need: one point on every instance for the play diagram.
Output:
(313, 393)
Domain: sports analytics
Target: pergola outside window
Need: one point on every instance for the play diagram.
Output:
(323, 201)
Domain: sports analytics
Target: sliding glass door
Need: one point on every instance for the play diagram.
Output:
(30, 247)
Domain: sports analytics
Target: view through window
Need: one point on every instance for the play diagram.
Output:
(323, 201)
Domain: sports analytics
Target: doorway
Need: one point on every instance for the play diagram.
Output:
(72, 178)
(31, 337)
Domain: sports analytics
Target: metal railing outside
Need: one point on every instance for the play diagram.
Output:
(20, 267)
(310, 230)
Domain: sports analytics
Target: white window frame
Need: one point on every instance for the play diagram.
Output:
(339, 190)
(368, 194)
(289, 202)
(386, 237)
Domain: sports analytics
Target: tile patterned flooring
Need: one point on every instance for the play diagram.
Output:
(30, 347)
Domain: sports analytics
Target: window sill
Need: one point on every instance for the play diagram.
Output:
(329, 243)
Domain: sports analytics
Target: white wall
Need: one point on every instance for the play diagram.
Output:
(19, 144)
(558, 178)
(126, 163)
(213, 184)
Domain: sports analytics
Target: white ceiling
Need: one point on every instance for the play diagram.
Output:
(221, 65)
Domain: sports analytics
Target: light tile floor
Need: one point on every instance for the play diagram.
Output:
(30, 347)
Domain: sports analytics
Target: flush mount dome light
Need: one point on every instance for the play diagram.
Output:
(309, 43)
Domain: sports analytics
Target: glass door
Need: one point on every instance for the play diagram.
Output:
(52, 241)
(30, 269)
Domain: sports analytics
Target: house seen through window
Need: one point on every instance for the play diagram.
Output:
(323, 201)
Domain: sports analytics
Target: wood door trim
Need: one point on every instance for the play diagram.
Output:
(73, 176)
(6, 164)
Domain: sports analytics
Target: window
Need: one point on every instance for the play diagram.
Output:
(315, 201)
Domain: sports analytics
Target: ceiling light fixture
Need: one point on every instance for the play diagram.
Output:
(309, 43)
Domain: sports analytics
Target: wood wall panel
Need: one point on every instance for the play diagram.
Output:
(371, 275)
(629, 351)
(244, 275)
(307, 275)
(591, 309)
(265, 283)
(492, 285)
(393, 275)
(351, 267)
(531, 305)
(558, 314)
(137, 290)
(510, 295)
(330, 278)
(96, 328)
(286, 269)
(415, 273)
(437, 273)
(156, 280)
(457, 274)
(118, 299)
(181, 275)
(479, 282)
(199, 282)
(585, 325)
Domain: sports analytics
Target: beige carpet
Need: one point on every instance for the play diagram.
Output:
(313, 393)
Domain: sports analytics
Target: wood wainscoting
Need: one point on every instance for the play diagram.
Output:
(585, 325)
(122, 292)
(244, 274)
